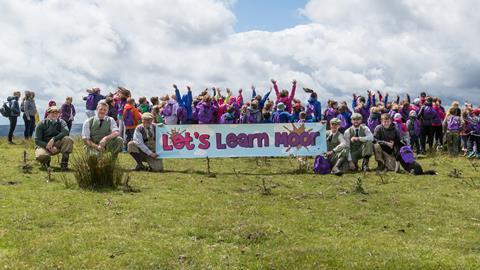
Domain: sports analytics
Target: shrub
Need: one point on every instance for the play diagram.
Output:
(97, 170)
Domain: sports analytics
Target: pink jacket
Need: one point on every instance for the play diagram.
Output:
(286, 100)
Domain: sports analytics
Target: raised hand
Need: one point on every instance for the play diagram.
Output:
(188, 88)
(294, 81)
(273, 81)
(175, 86)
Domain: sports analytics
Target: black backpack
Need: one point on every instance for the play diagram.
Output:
(5, 110)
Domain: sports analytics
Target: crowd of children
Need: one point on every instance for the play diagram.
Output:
(422, 122)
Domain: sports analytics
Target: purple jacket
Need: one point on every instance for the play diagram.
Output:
(373, 121)
(329, 114)
(206, 113)
(67, 112)
(228, 118)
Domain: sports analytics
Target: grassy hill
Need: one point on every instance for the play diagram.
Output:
(251, 215)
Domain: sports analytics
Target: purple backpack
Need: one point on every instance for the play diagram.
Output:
(406, 154)
(205, 114)
(168, 110)
(128, 120)
(321, 165)
(91, 102)
(453, 123)
(429, 114)
(329, 114)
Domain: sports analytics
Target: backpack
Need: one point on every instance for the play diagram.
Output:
(182, 114)
(429, 113)
(168, 110)
(406, 154)
(276, 117)
(453, 123)
(91, 102)
(128, 119)
(5, 110)
(321, 165)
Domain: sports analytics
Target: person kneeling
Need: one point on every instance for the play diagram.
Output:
(142, 147)
(360, 139)
(51, 138)
(100, 133)
(337, 148)
(387, 143)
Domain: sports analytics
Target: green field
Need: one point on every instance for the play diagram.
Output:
(183, 219)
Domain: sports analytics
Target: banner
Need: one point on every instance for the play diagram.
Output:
(245, 140)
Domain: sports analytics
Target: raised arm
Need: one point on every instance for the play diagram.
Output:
(275, 86)
(294, 88)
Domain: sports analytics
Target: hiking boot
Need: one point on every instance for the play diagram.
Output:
(139, 168)
(381, 167)
(64, 163)
(471, 155)
(11, 143)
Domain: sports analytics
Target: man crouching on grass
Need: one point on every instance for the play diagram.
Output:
(51, 138)
(142, 147)
(100, 133)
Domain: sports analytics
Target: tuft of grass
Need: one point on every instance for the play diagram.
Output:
(97, 170)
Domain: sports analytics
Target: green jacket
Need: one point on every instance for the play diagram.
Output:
(48, 129)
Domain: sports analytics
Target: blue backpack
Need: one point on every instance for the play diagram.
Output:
(321, 165)
(406, 154)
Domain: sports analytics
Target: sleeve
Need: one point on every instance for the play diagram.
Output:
(346, 136)
(292, 93)
(254, 93)
(113, 126)
(277, 93)
(86, 130)
(264, 99)
(138, 141)
(39, 136)
(74, 112)
(354, 102)
(343, 144)
(177, 95)
(64, 131)
(368, 136)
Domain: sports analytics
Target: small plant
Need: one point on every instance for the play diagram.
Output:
(97, 170)
(209, 173)
(68, 184)
(359, 187)
(26, 168)
(264, 189)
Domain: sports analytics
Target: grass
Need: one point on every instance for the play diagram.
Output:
(185, 219)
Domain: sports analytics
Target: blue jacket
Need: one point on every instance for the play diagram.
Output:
(186, 101)
(14, 106)
(315, 105)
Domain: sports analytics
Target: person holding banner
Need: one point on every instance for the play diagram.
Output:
(101, 133)
(337, 148)
(360, 139)
(142, 147)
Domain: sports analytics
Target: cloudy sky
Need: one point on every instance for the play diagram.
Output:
(60, 47)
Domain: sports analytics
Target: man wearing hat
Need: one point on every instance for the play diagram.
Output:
(51, 138)
(337, 148)
(142, 147)
(360, 141)
(100, 132)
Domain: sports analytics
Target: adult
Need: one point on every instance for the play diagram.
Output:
(100, 133)
(428, 116)
(29, 109)
(360, 140)
(14, 114)
(91, 101)
(337, 148)
(67, 112)
(387, 142)
(142, 147)
(51, 138)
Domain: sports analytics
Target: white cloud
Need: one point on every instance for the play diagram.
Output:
(59, 47)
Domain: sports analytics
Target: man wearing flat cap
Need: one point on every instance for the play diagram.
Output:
(360, 141)
(142, 147)
(51, 138)
(337, 148)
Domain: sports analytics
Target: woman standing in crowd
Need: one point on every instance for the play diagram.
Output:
(14, 114)
(29, 109)
(67, 113)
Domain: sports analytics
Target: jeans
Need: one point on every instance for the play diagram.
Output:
(426, 133)
(13, 125)
(29, 126)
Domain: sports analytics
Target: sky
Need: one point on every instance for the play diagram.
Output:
(59, 48)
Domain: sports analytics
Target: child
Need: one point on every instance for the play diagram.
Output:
(283, 96)
(475, 134)
(51, 103)
(92, 101)
(302, 118)
(229, 116)
(330, 112)
(402, 128)
(169, 112)
(413, 127)
(254, 115)
(120, 99)
(112, 112)
(206, 110)
(131, 118)
(280, 115)
(157, 116)
(465, 132)
(67, 112)
(143, 105)
(314, 108)
(452, 125)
